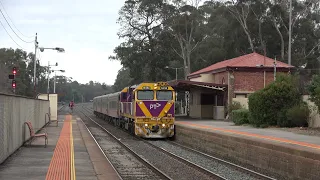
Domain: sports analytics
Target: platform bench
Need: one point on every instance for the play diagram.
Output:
(33, 135)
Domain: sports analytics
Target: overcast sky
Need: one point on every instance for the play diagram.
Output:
(86, 29)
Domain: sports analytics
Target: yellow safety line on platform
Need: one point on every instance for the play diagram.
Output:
(62, 161)
(73, 171)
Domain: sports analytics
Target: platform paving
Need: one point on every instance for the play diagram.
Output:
(270, 135)
(32, 162)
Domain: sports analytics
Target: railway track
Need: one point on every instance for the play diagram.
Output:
(133, 144)
(126, 165)
(215, 167)
(232, 165)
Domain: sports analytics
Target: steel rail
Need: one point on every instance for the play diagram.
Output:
(144, 161)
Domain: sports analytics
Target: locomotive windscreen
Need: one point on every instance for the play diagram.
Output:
(164, 95)
(145, 95)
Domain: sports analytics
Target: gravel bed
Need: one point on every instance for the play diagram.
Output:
(128, 166)
(223, 170)
(169, 165)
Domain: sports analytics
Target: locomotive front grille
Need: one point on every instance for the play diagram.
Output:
(155, 128)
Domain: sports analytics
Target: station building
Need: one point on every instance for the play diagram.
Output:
(212, 88)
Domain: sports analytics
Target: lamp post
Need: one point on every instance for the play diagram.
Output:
(54, 82)
(35, 64)
(48, 67)
(56, 48)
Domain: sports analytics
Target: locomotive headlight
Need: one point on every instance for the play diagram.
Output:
(146, 125)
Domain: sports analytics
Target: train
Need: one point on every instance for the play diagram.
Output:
(145, 110)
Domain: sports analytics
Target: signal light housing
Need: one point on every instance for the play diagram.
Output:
(14, 84)
(14, 70)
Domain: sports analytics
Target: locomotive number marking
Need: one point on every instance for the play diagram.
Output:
(154, 106)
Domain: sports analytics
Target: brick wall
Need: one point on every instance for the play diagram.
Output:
(251, 81)
(221, 78)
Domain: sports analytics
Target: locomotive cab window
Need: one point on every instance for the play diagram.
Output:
(164, 95)
(145, 95)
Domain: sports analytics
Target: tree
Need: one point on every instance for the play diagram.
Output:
(188, 35)
(123, 80)
(140, 21)
(241, 10)
(314, 90)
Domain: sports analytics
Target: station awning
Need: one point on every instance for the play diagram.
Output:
(185, 85)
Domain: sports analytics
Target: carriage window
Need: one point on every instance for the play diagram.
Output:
(164, 95)
(145, 95)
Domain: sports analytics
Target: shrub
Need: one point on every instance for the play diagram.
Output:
(314, 90)
(240, 116)
(235, 106)
(298, 115)
(269, 105)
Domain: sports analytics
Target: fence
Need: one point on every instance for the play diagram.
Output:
(14, 112)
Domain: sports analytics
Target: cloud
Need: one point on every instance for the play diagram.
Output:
(86, 29)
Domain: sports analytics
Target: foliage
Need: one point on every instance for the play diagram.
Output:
(189, 36)
(72, 90)
(123, 80)
(235, 106)
(269, 105)
(298, 115)
(240, 116)
(23, 61)
(314, 90)
(65, 88)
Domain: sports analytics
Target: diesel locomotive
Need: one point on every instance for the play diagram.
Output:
(145, 110)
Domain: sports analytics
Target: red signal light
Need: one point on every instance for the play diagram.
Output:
(14, 84)
(14, 70)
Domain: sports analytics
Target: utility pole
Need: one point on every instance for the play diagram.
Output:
(290, 32)
(275, 69)
(176, 74)
(48, 88)
(35, 65)
(54, 85)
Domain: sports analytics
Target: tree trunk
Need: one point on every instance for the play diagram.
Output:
(249, 39)
(281, 38)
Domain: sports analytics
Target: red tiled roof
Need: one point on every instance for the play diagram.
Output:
(187, 82)
(249, 60)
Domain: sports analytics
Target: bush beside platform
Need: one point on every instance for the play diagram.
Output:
(240, 116)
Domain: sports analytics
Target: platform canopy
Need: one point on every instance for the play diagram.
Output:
(186, 85)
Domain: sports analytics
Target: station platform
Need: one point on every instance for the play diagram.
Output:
(278, 136)
(71, 153)
(271, 151)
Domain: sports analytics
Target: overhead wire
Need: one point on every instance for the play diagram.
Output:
(11, 36)
(13, 30)
(4, 9)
